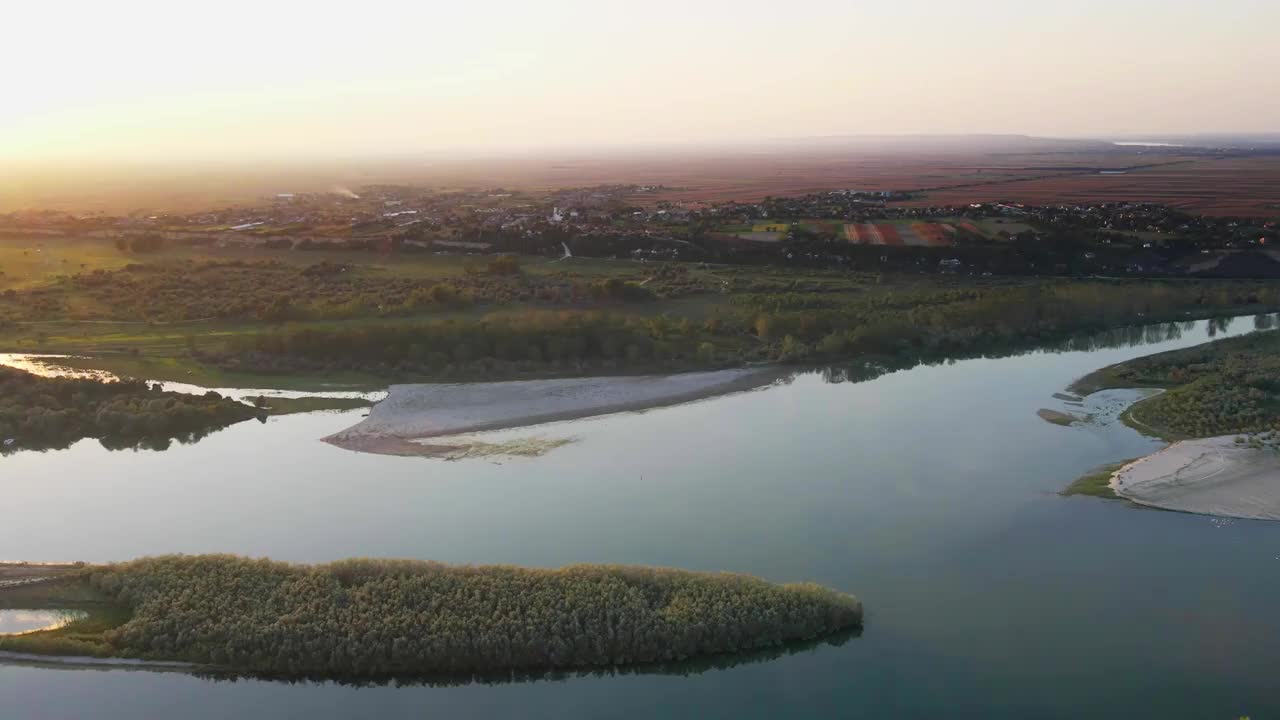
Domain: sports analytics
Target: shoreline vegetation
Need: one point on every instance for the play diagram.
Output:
(378, 618)
(895, 329)
(1224, 386)
(1218, 404)
(222, 317)
(43, 413)
(1097, 482)
(399, 426)
(272, 405)
(225, 317)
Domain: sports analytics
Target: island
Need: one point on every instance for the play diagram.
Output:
(1219, 407)
(369, 618)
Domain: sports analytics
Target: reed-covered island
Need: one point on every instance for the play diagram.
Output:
(376, 618)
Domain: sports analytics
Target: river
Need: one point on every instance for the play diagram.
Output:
(930, 493)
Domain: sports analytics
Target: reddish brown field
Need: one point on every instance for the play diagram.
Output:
(934, 234)
(889, 234)
(750, 179)
(858, 233)
(1040, 172)
(1233, 186)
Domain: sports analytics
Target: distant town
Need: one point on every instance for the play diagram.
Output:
(862, 229)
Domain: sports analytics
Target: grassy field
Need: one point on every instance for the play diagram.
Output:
(993, 227)
(163, 353)
(28, 261)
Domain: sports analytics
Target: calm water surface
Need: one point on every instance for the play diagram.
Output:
(930, 493)
(14, 622)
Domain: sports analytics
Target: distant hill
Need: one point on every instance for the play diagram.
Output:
(977, 143)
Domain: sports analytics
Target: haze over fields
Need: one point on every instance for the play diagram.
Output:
(142, 81)
(137, 106)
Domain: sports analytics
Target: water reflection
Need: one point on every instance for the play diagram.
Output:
(22, 622)
(47, 430)
(1219, 325)
(1129, 336)
(59, 426)
(684, 668)
(49, 366)
(858, 371)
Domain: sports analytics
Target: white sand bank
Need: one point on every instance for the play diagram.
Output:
(1213, 476)
(416, 412)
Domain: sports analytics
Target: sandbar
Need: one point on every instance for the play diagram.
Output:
(1210, 476)
(412, 413)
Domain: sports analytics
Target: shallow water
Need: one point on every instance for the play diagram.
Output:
(49, 366)
(930, 493)
(16, 622)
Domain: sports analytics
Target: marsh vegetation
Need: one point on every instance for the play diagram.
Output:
(1097, 482)
(384, 617)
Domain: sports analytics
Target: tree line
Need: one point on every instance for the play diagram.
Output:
(38, 413)
(898, 327)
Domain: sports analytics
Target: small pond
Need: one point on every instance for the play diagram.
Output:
(19, 622)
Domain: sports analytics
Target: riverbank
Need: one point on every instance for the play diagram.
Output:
(415, 413)
(1210, 476)
(93, 663)
(42, 413)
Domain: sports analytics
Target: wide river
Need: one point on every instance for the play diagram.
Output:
(929, 493)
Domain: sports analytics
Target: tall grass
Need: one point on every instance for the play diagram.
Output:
(370, 617)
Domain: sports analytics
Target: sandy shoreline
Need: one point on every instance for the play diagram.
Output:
(412, 413)
(1211, 476)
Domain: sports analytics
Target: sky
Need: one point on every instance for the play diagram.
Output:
(133, 80)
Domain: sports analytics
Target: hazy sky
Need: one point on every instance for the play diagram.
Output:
(230, 79)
